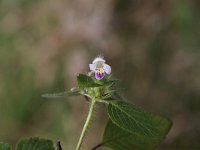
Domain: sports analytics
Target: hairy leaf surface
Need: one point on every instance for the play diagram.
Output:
(35, 144)
(85, 81)
(118, 139)
(61, 94)
(135, 120)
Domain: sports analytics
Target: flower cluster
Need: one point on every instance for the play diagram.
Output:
(99, 67)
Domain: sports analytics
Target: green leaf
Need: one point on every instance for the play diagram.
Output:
(5, 146)
(61, 94)
(118, 139)
(135, 120)
(35, 144)
(111, 88)
(85, 81)
(112, 82)
(108, 94)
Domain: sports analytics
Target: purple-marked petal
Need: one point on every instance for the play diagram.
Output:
(107, 68)
(99, 75)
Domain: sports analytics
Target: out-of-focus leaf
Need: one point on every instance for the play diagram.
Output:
(111, 82)
(35, 144)
(109, 94)
(135, 120)
(61, 94)
(5, 146)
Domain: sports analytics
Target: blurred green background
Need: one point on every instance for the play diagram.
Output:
(152, 46)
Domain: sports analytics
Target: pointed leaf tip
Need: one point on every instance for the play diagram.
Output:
(61, 94)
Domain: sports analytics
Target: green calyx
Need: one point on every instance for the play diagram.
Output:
(104, 89)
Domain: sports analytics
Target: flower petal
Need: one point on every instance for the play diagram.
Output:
(92, 67)
(107, 68)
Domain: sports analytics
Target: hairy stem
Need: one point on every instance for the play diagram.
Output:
(86, 125)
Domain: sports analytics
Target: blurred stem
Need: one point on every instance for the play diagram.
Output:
(87, 122)
(59, 146)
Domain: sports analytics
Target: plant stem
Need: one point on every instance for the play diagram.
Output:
(59, 146)
(87, 122)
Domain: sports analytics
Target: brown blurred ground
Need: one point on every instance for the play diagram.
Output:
(152, 46)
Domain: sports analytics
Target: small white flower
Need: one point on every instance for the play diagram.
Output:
(99, 67)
